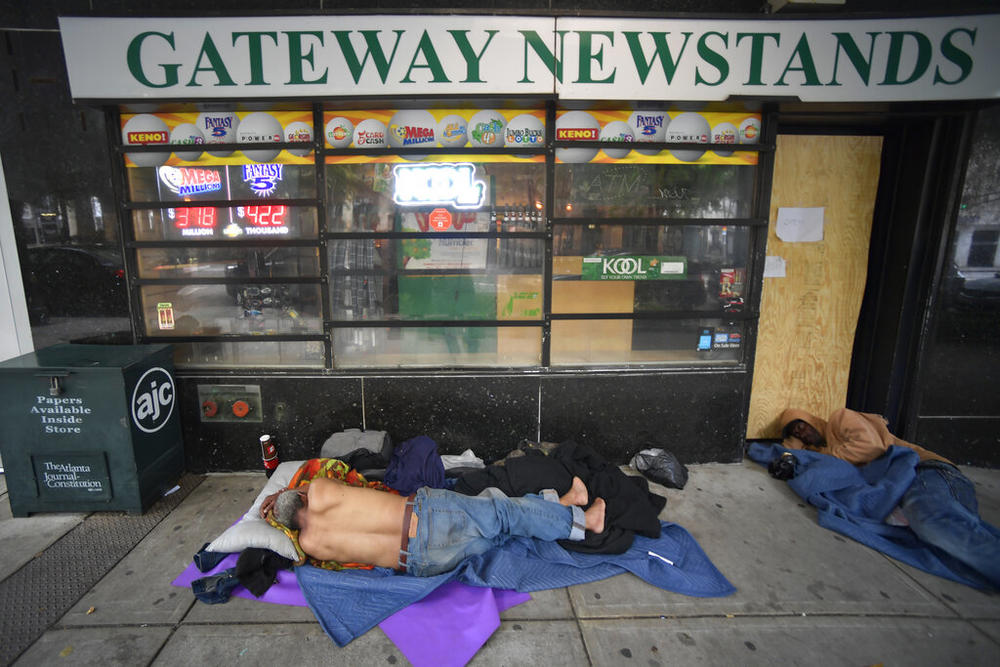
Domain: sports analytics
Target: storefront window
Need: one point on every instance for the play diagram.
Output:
(425, 238)
(223, 354)
(604, 190)
(645, 342)
(662, 268)
(429, 347)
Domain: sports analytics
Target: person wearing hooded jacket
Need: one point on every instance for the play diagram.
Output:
(940, 504)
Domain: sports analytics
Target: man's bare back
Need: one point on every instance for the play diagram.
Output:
(352, 524)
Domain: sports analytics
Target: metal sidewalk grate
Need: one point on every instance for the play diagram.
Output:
(46, 587)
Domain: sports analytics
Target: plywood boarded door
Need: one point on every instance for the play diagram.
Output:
(808, 318)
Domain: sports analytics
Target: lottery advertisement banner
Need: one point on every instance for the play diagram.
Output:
(435, 128)
(190, 135)
(627, 130)
(513, 129)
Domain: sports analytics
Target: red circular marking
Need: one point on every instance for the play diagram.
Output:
(439, 219)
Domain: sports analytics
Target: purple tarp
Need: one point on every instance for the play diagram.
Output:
(445, 628)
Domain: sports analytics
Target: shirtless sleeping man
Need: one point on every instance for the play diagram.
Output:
(427, 533)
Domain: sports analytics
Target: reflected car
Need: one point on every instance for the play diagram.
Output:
(74, 280)
(979, 293)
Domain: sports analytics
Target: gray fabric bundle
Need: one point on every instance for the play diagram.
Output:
(340, 444)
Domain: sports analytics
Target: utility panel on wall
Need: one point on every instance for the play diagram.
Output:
(230, 402)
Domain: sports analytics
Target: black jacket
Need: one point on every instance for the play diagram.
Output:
(631, 507)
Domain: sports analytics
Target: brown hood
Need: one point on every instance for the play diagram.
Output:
(790, 415)
(860, 437)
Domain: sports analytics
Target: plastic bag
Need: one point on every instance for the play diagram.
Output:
(661, 467)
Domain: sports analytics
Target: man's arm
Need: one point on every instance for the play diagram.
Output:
(268, 504)
(856, 437)
(298, 481)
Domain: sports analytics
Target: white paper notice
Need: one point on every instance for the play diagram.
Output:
(800, 225)
(774, 266)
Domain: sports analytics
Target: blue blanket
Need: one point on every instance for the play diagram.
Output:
(348, 603)
(855, 500)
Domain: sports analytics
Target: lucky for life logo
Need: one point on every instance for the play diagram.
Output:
(153, 400)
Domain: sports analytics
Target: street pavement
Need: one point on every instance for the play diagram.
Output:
(806, 596)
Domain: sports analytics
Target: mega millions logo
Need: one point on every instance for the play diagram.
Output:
(409, 135)
(153, 400)
(186, 181)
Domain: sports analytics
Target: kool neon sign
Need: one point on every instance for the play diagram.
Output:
(452, 184)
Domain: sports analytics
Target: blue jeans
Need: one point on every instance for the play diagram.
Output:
(941, 507)
(452, 526)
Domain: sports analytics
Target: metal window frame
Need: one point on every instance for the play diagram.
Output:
(756, 225)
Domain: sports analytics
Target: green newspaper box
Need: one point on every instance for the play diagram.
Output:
(90, 428)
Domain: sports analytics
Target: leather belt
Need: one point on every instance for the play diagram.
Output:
(405, 539)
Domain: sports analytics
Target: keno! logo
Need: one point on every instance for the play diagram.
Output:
(153, 400)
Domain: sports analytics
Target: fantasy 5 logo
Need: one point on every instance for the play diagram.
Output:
(218, 127)
(262, 178)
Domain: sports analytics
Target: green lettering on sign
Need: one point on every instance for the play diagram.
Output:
(634, 267)
(255, 46)
(216, 65)
(134, 60)
(374, 50)
(662, 52)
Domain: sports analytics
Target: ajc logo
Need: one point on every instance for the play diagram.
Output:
(153, 400)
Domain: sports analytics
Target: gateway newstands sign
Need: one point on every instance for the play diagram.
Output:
(574, 58)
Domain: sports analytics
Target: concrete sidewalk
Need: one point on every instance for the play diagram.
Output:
(806, 595)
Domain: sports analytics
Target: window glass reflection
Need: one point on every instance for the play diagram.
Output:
(653, 191)
(412, 279)
(262, 354)
(233, 262)
(426, 347)
(645, 342)
(246, 308)
(362, 197)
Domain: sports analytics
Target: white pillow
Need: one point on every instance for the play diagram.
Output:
(252, 530)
